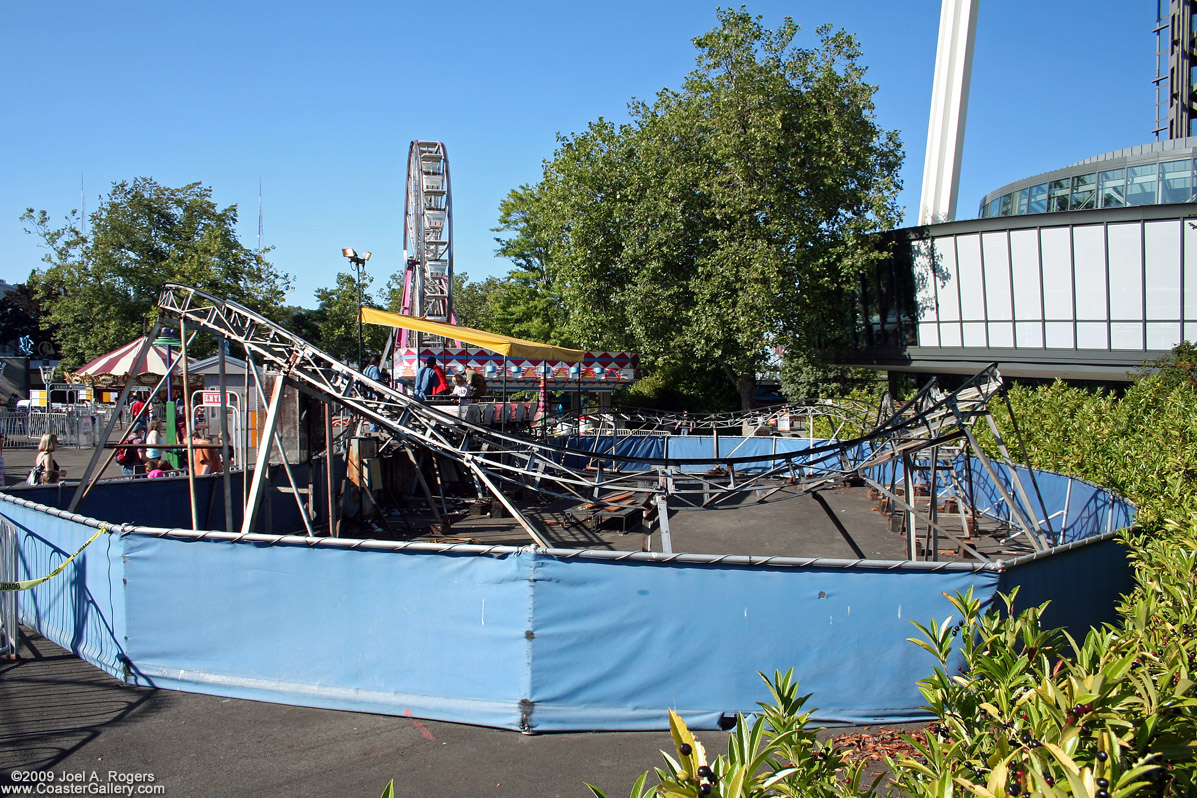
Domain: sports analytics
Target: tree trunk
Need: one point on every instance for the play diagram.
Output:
(745, 385)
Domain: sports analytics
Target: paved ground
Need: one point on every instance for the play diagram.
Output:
(59, 714)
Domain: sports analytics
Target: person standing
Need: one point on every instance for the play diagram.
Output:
(45, 468)
(153, 439)
(139, 425)
(372, 370)
(205, 460)
(442, 382)
(425, 380)
(3, 481)
(129, 457)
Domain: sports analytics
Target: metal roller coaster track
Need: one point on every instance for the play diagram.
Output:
(925, 434)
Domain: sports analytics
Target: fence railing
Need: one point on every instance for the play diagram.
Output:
(23, 430)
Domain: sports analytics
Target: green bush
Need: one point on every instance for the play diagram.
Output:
(1142, 445)
(1033, 711)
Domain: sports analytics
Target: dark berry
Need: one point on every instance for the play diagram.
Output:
(1103, 794)
(706, 790)
(685, 749)
(1014, 789)
(1102, 756)
(1049, 781)
(705, 772)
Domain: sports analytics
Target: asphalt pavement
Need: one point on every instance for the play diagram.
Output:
(61, 717)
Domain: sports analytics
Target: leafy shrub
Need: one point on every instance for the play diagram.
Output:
(1033, 712)
(1142, 445)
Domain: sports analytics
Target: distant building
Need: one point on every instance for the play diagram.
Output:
(1084, 272)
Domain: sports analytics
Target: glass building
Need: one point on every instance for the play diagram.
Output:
(1152, 174)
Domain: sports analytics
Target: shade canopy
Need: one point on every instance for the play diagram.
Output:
(503, 344)
(123, 361)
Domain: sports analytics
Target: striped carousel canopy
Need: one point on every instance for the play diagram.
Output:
(124, 362)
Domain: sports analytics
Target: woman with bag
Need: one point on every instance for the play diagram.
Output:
(45, 468)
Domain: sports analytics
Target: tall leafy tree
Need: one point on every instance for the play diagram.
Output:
(727, 218)
(338, 314)
(525, 303)
(100, 290)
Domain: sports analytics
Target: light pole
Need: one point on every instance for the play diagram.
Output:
(359, 263)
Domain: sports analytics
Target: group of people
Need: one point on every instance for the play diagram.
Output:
(144, 455)
(432, 381)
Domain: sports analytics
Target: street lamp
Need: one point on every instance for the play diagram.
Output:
(359, 263)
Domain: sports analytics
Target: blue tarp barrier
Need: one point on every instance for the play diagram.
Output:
(518, 638)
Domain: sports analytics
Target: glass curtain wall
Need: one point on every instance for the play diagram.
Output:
(1145, 184)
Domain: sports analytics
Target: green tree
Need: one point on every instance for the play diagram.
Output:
(525, 303)
(304, 322)
(338, 312)
(728, 217)
(101, 290)
(470, 300)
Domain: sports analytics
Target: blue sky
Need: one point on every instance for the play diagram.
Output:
(319, 102)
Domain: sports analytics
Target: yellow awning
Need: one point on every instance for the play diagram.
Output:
(503, 344)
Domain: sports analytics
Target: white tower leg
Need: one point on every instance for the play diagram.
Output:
(949, 107)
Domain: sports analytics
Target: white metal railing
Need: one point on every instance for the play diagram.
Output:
(23, 430)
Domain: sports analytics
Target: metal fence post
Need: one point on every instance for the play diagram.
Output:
(10, 635)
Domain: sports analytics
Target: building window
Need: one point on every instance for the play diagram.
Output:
(1058, 193)
(1176, 181)
(1022, 202)
(1111, 188)
(1141, 185)
(1038, 199)
(1084, 193)
(1006, 208)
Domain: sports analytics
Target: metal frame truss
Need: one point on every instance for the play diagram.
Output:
(927, 435)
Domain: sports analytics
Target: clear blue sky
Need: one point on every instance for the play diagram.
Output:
(319, 101)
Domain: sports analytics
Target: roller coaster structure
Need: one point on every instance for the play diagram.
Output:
(916, 443)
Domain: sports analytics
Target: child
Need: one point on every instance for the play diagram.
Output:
(461, 389)
(156, 468)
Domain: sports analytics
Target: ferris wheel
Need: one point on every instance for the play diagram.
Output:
(427, 241)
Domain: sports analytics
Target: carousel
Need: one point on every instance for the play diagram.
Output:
(108, 373)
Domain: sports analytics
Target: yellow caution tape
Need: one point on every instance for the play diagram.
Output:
(28, 583)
